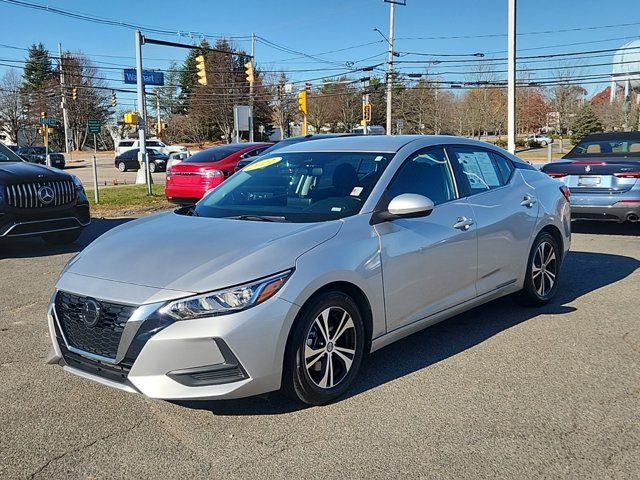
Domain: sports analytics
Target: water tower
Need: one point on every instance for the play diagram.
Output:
(626, 71)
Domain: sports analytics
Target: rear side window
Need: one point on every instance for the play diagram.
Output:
(505, 167)
(479, 169)
(125, 144)
(428, 173)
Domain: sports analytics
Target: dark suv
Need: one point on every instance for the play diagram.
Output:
(36, 200)
(39, 155)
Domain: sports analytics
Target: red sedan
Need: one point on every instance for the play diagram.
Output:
(188, 181)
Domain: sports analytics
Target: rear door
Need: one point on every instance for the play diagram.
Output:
(428, 263)
(505, 209)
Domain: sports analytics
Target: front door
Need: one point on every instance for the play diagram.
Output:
(429, 263)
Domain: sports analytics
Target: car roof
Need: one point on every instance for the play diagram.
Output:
(373, 143)
(613, 136)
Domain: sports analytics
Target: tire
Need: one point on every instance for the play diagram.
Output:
(152, 167)
(62, 238)
(315, 370)
(543, 143)
(122, 167)
(541, 282)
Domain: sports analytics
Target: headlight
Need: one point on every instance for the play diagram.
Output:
(226, 301)
(77, 183)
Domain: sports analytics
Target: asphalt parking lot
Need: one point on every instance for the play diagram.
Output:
(108, 174)
(501, 391)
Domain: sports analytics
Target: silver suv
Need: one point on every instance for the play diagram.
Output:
(295, 268)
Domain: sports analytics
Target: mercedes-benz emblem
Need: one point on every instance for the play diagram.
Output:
(46, 194)
(90, 312)
(587, 168)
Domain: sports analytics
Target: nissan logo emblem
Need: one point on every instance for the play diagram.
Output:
(46, 194)
(90, 312)
(587, 169)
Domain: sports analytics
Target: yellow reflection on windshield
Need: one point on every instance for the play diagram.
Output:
(261, 164)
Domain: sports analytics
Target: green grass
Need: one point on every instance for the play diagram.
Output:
(128, 198)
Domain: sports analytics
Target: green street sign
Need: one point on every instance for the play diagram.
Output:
(50, 122)
(93, 126)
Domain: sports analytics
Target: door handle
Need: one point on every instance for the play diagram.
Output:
(528, 201)
(463, 223)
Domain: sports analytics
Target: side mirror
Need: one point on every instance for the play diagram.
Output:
(406, 205)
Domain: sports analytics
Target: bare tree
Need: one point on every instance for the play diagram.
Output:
(13, 118)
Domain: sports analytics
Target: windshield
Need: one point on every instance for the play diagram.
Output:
(606, 148)
(6, 155)
(298, 187)
(216, 154)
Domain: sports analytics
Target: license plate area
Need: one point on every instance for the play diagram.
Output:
(589, 181)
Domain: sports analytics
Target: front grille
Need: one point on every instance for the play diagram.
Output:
(25, 195)
(103, 338)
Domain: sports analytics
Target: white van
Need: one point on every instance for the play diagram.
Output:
(127, 144)
(371, 130)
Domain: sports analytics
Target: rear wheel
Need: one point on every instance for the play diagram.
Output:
(152, 167)
(62, 238)
(325, 350)
(541, 280)
(122, 167)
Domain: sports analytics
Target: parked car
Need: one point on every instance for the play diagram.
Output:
(36, 200)
(275, 278)
(247, 158)
(127, 144)
(603, 173)
(543, 140)
(39, 155)
(189, 180)
(371, 130)
(129, 161)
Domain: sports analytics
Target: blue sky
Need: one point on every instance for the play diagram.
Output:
(317, 27)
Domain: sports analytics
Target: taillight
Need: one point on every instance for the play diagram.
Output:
(627, 174)
(212, 173)
(566, 192)
(556, 174)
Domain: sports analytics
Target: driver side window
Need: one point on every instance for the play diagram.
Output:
(427, 172)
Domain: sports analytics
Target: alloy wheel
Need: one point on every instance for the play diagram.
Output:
(544, 269)
(330, 347)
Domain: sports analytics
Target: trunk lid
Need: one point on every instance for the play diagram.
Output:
(602, 176)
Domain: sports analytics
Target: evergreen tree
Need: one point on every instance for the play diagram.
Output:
(585, 123)
(38, 68)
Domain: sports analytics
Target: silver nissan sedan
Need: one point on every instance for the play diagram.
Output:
(289, 273)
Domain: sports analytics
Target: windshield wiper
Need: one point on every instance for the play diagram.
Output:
(259, 218)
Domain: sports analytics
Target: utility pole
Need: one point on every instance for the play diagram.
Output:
(253, 48)
(63, 102)
(159, 119)
(143, 173)
(392, 10)
(511, 77)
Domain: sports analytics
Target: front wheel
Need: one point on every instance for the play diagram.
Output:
(62, 238)
(541, 282)
(325, 350)
(152, 167)
(122, 167)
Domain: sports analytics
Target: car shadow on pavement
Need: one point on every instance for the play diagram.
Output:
(452, 336)
(606, 228)
(29, 247)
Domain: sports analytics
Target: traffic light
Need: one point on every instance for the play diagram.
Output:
(202, 70)
(74, 93)
(302, 101)
(280, 90)
(249, 71)
(114, 99)
(307, 87)
(131, 118)
(366, 112)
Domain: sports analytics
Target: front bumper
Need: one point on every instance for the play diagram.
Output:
(16, 222)
(229, 356)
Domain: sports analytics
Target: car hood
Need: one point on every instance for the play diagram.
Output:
(196, 254)
(19, 172)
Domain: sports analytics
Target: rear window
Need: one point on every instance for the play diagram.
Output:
(215, 154)
(606, 147)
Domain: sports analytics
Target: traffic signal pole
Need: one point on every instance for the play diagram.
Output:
(143, 173)
(253, 48)
(392, 10)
